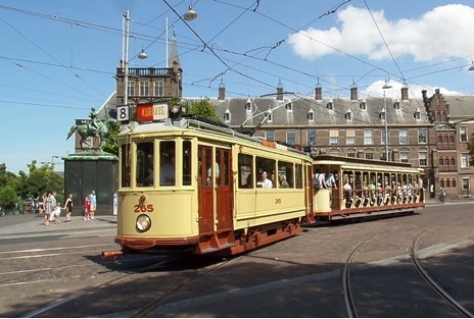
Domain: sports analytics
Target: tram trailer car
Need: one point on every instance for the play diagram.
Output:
(191, 186)
(366, 188)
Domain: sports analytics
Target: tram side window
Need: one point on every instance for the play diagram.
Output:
(299, 175)
(266, 172)
(126, 167)
(167, 163)
(187, 161)
(144, 169)
(285, 175)
(245, 171)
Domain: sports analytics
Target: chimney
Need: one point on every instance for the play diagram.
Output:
(354, 93)
(280, 92)
(221, 91)
(318, 93)
(405, 94)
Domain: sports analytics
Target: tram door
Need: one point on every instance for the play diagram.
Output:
(205, 190)
(224, 183)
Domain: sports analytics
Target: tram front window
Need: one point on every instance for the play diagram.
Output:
(167, 164)
(144, 169)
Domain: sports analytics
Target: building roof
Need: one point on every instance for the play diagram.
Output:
(293, 111)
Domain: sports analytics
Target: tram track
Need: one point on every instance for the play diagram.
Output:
(350, 298)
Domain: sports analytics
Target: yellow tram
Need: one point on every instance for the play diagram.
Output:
(190, 185)
(366, 188)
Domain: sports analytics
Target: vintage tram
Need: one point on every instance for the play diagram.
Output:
(190, 185)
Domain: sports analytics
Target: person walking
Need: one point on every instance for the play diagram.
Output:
(68, 204)
(48, 208)
(87, 208)
(93, 207)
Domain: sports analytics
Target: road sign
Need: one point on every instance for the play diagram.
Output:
(123, 113)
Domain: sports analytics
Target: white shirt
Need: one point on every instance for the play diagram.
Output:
(266, 183)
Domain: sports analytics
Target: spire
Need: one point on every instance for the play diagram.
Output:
(173, 53)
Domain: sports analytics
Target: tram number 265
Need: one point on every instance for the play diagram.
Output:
(277, 200)
(143, 208)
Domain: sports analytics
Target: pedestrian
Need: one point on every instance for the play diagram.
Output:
(93, 208)
(54, 214)
(68, 204)
(48, 208)
(87, 208)
(40, 202)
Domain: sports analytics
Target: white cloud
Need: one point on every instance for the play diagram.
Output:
(443, 32)
(414, 91)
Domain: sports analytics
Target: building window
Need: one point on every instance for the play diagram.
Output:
(227, 116)
(311, 137)
(453, 182)
(270, 135)
(403, 137)
(348, 115)
(350, 140)
(441, 182)
(310, 115)
(353, 155)
(144, 88)
(385, 138)
(368, 140)
(422, 136)
(289, 106)
(158, 88)
(131, 88)
(270, 117)
(448, 183)
(363, 105)
(423, 159)
(329, 105)
(334, 140)
(248, 105)
(463, 134)
(441, 163)
(291, 137)
(396, 105)
(333, 137)
(466, 187)
(404, 157)
(369, 156)
(464, 160)
(453, 161)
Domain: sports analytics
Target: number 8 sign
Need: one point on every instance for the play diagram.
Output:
(123, 113)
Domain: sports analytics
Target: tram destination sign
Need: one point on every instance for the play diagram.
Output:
(152, 112)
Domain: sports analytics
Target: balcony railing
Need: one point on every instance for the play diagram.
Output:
(146, 71)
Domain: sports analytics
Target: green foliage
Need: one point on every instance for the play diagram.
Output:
(8, 197)
(204, 108)
(38, 180)
(111, 145)
(470, 148)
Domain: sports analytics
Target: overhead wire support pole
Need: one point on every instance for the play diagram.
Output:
(126, 30)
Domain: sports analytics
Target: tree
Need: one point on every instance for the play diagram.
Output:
(204, 108)
(470, 148)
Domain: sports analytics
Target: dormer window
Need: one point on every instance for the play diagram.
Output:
(383, 115)
(310, 115)
(363, 104)
(270, 116)
(248, 105)
(417, 113)
(227, 116)
(396, 104)
(289, 106)
(329, 104)
(348, 115)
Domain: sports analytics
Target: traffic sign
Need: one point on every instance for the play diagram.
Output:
(123, 113)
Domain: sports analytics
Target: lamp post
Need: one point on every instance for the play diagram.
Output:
(125, 43)
(385, 87)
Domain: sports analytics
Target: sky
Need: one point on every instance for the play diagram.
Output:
(58, 58)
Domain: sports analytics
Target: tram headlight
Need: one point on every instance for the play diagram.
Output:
(143, 223)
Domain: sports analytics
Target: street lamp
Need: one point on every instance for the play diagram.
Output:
(385, 87)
